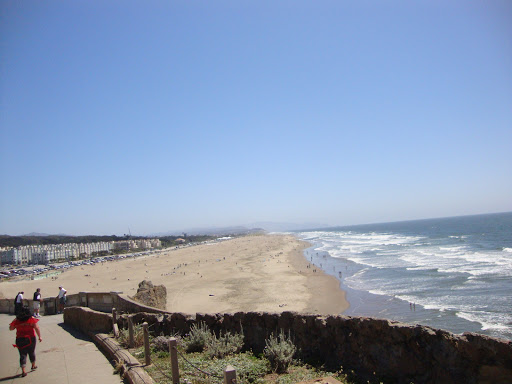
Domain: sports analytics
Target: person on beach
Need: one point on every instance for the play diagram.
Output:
(37, 302)
(26, 328)
(62, 298)
(18, 302)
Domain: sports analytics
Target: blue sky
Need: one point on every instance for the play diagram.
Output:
(161, 115)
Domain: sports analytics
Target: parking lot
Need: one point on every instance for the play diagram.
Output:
(10, 272)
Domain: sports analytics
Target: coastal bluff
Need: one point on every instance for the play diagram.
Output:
(375, 349)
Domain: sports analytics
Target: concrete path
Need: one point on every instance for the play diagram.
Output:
(65, 356)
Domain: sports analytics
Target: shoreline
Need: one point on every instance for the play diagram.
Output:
(330, 297)
(379, 305)
(258, 273)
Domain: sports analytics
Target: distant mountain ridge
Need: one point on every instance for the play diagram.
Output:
(285, 227)
(235, 230)
(42, 234)
(267, 226)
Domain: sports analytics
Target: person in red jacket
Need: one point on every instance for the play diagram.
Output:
(26, 328)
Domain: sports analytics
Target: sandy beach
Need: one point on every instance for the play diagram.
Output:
(252, 273)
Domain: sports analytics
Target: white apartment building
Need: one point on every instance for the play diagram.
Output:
(91, 248)
(44, 254)
(155, 243)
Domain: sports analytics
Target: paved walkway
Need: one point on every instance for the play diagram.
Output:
(65, 356)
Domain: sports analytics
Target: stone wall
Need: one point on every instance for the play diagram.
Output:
(395, 352)
(87, 320)
(99, 301)
(48, 306)
(375, 349)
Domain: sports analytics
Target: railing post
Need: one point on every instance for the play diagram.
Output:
(173, 345)
(147, 352)
(229, 375)
(114, 323)
(130, 332)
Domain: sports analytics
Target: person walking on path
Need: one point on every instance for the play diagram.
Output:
(26, 328)
(18, 303)
(37, 302)
(62, 298)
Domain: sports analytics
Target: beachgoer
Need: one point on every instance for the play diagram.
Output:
(26, 328)
(18, 302)
(62, 298)
(37, 302)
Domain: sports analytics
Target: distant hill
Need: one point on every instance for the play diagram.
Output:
(45, 234)
(285, 227)
(235, 230)
(266, 226)
(36, 234)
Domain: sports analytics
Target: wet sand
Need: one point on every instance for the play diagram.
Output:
(251, 273)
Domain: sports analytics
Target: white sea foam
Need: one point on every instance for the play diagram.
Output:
(483, 318)
(379, 292)
(365, 262)
(452, 274)
(453, 248)
(372, 249)
(423, 268)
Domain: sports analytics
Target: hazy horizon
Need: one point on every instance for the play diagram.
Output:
(166, 116)
(268, 226)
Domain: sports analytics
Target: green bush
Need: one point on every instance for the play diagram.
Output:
(224, 345)
(197, 338)
(279, 351)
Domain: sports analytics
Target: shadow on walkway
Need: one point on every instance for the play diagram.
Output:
(74, 332)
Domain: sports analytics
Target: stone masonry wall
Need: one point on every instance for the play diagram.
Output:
(99, 301)
(87, 320)
(390, 351)
(396, 352)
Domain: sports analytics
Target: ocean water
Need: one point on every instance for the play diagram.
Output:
(453, 273)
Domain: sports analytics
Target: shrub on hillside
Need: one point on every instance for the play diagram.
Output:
(279, 351)
(160, 343)
(197, 338)
(224, 345)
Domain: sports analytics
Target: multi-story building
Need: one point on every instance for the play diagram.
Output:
(155, 243)
(125, 245)
(87, 249)
(44, 254)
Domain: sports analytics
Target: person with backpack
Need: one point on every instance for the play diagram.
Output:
(26, 329)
